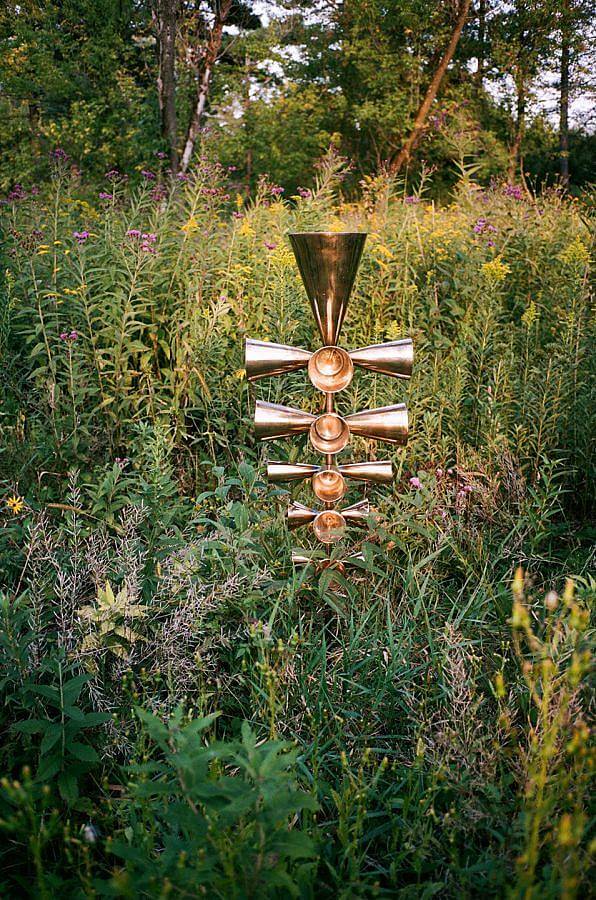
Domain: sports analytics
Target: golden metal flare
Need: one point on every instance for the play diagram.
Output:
(329, 433)
(263, 358)
(272, 420)
(358, 512)
(302, 559)
(330, 369)
(328, 263)
(329, 485)
(278, 471)
(376, 472)
(395, 358)
(329, 526)
(388, 423)
(298, 514)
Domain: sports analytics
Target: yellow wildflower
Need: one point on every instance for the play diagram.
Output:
(530, 315)
(191, 225)
(15, 504)
(239, 201)
(245, 230)
(495, 270)
(575, 254)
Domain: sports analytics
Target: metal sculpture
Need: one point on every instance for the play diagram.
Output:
(328, 263)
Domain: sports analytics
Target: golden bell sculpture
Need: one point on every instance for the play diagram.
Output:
(328, 263)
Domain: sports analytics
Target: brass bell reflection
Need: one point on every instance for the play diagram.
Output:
(328, 263)
(330, 369)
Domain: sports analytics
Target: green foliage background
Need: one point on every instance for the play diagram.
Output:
(183, 712)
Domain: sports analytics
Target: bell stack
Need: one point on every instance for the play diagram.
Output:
(328, 263)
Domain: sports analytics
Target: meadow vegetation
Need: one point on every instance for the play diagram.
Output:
(183, 713)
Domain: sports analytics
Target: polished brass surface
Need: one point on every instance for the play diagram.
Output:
(375, 472)
(328, 263)
(329, 485)
(329, 433)
(395, 358)
(330, 369)
(298, 514)
(278, 471)
(272, 420)
(329, 526)
(388, 423)
(358, 512)
(263, 358)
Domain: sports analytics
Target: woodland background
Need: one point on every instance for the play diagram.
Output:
(182, 712)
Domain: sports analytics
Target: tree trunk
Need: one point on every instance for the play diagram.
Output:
(211, 53)
(515, 151)
(564, 98)
(481, 44)
(404, 154)
(167, 20)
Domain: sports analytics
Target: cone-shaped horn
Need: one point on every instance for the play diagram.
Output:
(329, 485)
(377, 472)
(328, 263)
(330, 369)
(263, 358)
(358, 512)
(388, 423)
(301, 559)
(395, 358)
(297, 514)
(329, 433)
(275, 421)
(278, 471)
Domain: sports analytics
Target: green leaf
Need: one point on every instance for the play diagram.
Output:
(82, 751)
(31, 726)
(73, 688)
(50, 738)
(68, 787)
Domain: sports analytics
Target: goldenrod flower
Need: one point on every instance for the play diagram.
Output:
(15, 504)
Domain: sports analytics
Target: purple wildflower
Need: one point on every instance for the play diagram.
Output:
(236, 215)
(269, 245)
(305, 193)
(277, 190)
(64, 336)
(17, 193)
(412, 199)
(158, 194)
(80, 236)
(105, 195)
(514, 190)
(182, 176)
(161, 155)
(34, 190)
(415, 482)
(59, 154)
(133, 232)
(73, 335)
(232, 168)
(147, 175)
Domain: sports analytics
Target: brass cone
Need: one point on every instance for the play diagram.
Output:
(330, 369)
(376, 472)
(388, 423)
(329, 433)
(358, 512)
(328, 263)
(263, 358)
(297, 514)
(329, 526)
(329, 485)
(395, 358)
(278, 471)
(272, 420)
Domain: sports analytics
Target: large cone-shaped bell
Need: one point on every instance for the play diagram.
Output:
(263, 358)
(395, 358)
(328, 263)
(272, 420)
(388, 423)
